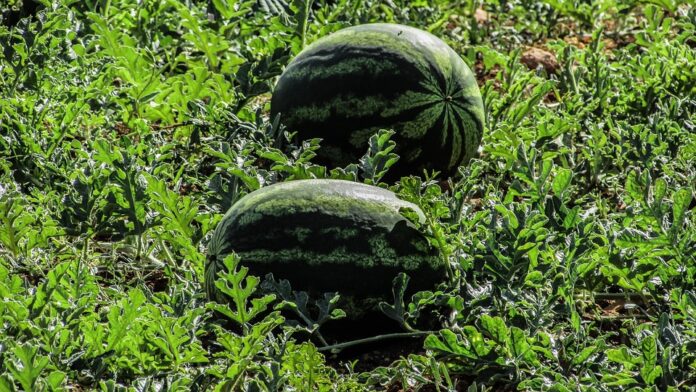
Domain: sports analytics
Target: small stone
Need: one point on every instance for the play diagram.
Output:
(536, 57)
(481, 16)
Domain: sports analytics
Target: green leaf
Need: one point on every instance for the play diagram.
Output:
(659, 191)
(234, 283)
(379, 156)
(520, 347)
(572, 217)
(622, 356)
(479, 346)
(562, 181)
(509, 216)
(584, 355)
(496, 329)
(525, 107)
(6, 384)
(123, 316)
(397, 310)
(650, 371)
(230, 9)
(55, 380)
(274, 155)
(30, 365)
(448, 344)
(301, 12)
(634, 188)
(681, 201)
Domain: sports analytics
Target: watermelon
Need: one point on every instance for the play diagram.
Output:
(326, 236)
(346, 86)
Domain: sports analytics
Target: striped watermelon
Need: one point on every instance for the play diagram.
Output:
(346, 86)
(326, 236)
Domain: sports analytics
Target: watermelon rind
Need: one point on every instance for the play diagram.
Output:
(346, 86)
(326, 236)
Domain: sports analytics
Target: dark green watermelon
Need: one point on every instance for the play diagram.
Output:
(326, 236)
(346, 86)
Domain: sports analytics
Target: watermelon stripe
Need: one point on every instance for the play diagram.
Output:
(475, 122)
(445, 121)
(379, 60)
(426, 119)
(438, 80)
(337, 256)
(338, 127)
(344, 105)
(316, 90)
(460, 144)
(431, 85)
(452, 136)
(471, 138)
(409, 100)
(318, 68)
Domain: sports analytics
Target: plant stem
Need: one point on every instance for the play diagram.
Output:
(167, 252)
(171, 126)
(80, 262)
(631, 296)
(341, 346)
(303, 17)
(310, 324)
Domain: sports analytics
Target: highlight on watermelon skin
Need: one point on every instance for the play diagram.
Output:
(346, 86)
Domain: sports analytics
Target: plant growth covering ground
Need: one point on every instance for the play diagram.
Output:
(129, 127)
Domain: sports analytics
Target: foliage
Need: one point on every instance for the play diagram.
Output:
(127, 128)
